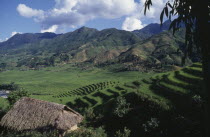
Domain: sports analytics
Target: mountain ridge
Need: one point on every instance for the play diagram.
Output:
(152, 29)
(108, 46)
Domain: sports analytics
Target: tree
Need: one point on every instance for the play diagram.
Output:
(87, 132)
(3, 65)
(52, 60)
(125, 133)
(64, 57)
(16, 95)
(195, 15)
(121, 107)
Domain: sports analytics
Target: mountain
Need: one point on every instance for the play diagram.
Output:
(152, 29)
(21, 39)
(163, 49)
(82, 45)
(100, 48)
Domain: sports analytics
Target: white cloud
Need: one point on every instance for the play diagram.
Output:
(29, 12)
(135, 21)
(11, 35)
(132, 23)
(3, 40)
(74, 13)
(51, 29)
(14, 33)
(106, 8)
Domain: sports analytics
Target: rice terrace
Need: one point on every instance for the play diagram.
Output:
(119, 68)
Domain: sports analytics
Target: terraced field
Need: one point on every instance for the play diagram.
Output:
(168, 89)
(64, 84)
(175, 88)
(185, 81)
(95, 94)
(171, 90)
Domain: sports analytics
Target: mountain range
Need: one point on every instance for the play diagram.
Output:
(151, 47)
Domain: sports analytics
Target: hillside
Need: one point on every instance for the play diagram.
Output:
(160, 50)
(84, 44)
(105, 48)
(168, 99)
(21, 39)
(152, 29)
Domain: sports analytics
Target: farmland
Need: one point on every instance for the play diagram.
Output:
(54, 81)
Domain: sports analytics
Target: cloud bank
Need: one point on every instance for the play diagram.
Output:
(74, 13)
(51, 29)
(132, 23)
(29, 12)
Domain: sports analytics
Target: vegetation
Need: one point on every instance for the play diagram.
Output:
(157, 104)
(111, 78)
(11, 86)
(87, 47)
(16, 95)
(122, 107)
(125, 133)
(197, 31)
(88, 132)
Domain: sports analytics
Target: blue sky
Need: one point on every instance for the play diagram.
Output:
(60, 16)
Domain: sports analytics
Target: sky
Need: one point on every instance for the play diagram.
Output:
(61, 16)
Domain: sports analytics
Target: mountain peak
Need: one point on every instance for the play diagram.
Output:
(85, 29)
(152, 29)
(21, 39)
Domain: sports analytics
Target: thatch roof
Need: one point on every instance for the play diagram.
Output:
(32, 114)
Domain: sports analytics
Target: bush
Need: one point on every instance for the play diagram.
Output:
(136, 83)
(29, 134)
(11, 86)
(121, 107)
(89, 114)
(87, 132)
(150, 125)
(16, 95)
(197, 99)
(125, 133)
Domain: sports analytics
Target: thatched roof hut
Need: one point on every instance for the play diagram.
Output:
(34, 114)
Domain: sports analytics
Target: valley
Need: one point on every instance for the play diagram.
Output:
(116, 79)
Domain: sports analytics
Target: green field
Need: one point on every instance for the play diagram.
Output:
(163, 95)
(175, 88)
(53, 81)
(91, 88)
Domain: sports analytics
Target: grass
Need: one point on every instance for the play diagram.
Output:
(92, 88)
(169, 87)
(53, 82)
(3, 103)
(63, 80)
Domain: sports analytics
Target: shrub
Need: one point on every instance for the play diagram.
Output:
(11, 86)
(125, 133)
(89, 114)
(137, 83)
(29, 134)
(16, 95)
(151, 125)
(88, 132)
(197, 99)
(121, 107)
